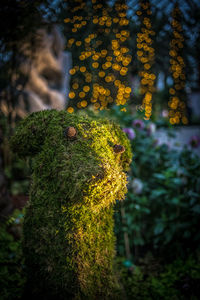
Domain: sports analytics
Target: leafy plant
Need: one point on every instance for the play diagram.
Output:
(12, 277)
(179, 280)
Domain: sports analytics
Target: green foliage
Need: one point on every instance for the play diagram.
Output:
(12, 276)
(17, 175)
(16, 171)
(163, 202)
(179, 280)
(68, 227)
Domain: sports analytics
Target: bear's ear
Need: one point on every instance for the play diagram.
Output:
(30, 133)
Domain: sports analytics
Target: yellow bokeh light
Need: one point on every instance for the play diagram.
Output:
(145, 55)
(82, 69)
(72, 71)
(82, 94)
(177, 107)
(70, 109)
(78, 43)
(86, 88)
(67, 20)
(96, 105)
(101, 74)
(71, 95)
(95, 57)
(108, 62)
(128, 90)
(75, 86)
(82, 57)
(104, 52)
(84, 103)
(109, 58)
(108, 78)
(95, 65)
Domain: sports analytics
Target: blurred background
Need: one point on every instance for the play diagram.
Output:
(136, 62)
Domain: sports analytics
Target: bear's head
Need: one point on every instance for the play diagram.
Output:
(78, 158)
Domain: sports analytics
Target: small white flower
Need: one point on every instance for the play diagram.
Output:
(151, 128)
(165, 113)
(137, 186)
(184, 180)
(180, 172)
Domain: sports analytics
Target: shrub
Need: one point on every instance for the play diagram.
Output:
(179, 280)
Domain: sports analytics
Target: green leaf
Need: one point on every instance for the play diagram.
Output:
(175, 200)
(158, 228)
(177, 181)
(196, 209)
(158, 193)
(159, 176)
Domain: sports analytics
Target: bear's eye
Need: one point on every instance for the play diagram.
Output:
(119, 149)
(70, 132)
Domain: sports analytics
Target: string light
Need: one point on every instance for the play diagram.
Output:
(101, 55)
(177, 107)
(145, 55)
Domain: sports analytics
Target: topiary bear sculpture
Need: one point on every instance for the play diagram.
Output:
(78, 173)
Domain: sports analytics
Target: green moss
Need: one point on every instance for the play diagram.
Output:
(69, 242)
